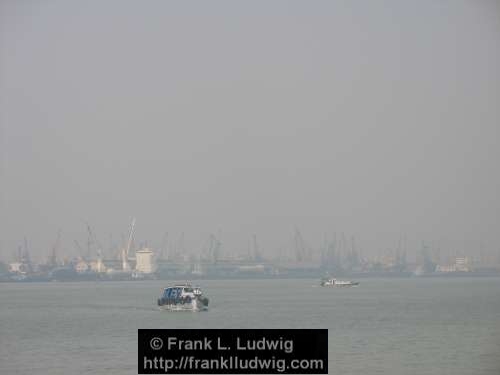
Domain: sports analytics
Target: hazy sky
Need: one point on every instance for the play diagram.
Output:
(372, 118)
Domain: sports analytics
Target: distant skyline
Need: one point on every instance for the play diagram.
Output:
(376, 119)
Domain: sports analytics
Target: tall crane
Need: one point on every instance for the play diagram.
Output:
(93, 239)
(53, 256)
(125, 264)
(302, 252)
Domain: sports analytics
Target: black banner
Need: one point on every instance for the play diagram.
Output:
(233, 351)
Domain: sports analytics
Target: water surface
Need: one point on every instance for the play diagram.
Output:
(384, 326)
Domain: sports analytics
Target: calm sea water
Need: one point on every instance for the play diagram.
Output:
(384, 326)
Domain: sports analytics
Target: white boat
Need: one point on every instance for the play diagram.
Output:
(183, 297)
(334, 282)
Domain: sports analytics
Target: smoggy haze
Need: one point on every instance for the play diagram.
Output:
(371, 118)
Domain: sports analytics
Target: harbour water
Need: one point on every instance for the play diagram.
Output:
(384, 326)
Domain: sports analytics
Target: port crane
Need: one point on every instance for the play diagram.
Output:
(52, 261)
(125, 251)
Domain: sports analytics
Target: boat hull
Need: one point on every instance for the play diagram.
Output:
(338, 283)
(194, 305)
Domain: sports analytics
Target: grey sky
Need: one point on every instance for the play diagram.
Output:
(371, 118)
